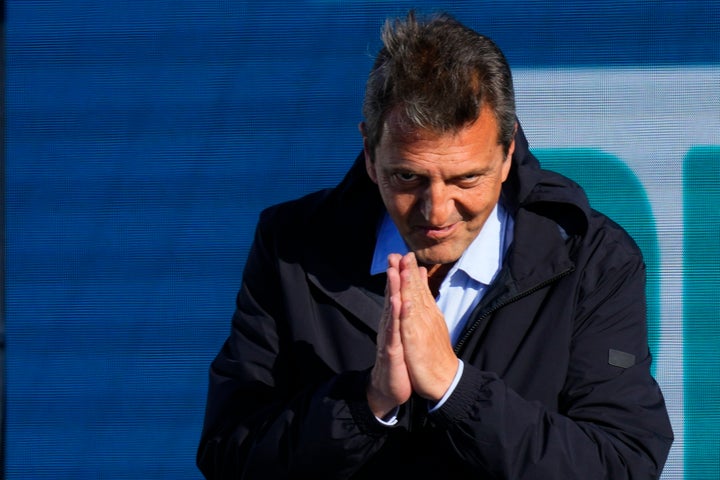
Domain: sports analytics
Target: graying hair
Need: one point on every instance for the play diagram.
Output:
(440, 73)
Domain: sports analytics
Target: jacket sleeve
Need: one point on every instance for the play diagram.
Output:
(259, 422)
(611, 421)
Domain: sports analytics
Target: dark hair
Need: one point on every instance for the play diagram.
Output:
(440, 73)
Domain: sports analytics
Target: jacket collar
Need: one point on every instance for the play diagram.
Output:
(338, 263)
(544, 192)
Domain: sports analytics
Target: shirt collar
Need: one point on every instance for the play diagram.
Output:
(483, 257)
(388, 241)
(481, 260)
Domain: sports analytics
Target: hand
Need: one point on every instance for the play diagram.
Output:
(429, 356)
(389, 380)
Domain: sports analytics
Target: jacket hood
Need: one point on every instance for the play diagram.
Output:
(544, 192)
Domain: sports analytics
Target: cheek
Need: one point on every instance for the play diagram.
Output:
(478, 203)
(476, 198)
(399, 205)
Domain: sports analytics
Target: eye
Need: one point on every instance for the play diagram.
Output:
(468, 180)
(405, 177)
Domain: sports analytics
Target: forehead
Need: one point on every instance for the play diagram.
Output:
(473, 141)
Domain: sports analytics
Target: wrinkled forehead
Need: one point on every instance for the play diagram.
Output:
(399, 128)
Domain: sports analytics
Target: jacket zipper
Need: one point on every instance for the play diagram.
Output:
(487, 313)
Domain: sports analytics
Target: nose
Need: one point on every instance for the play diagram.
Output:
(437, 204)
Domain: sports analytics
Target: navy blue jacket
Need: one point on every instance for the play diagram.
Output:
(556, 384)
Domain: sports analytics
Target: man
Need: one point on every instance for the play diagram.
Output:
(449, 310)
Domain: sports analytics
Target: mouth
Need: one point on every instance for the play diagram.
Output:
(437, 234)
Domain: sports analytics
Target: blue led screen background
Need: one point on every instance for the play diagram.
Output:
(142, 139)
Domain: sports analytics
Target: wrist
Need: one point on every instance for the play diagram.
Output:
(444, 382)
(381, 405)
(436, 405)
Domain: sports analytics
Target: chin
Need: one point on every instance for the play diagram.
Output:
(430, 256)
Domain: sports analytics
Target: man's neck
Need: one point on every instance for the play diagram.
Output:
(436, 274)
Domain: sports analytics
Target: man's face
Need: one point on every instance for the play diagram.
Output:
(440, 189)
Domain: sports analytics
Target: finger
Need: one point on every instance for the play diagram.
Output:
(409, 261)
(423, 273)
(389, 324)
(393, 275)
(394, 259)
(421, 278)
(414, 281)
(409, 270)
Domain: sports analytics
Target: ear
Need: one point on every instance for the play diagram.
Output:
(369, 164)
